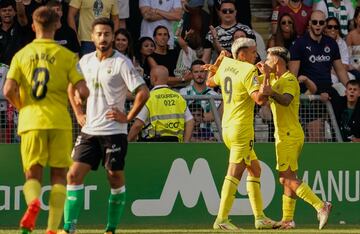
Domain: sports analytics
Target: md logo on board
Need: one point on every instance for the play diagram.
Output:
(190, 184)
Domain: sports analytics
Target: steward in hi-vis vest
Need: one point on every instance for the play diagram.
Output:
(165, 115)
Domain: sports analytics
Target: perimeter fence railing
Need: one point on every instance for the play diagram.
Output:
(317, 119)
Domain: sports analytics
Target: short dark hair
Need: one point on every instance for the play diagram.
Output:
(353, 82)
(45, 17)
(226, 1)
(194, 106)
(160, 27)
(53, 3)
(7, 3)
(197, 62)
(103, 21)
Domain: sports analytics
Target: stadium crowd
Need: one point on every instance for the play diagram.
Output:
(179, 33)
(181, 48)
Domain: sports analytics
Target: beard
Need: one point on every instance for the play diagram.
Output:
(104, 47)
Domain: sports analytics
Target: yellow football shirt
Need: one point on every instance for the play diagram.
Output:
(286, 118)
(237, 80)
(43, 69)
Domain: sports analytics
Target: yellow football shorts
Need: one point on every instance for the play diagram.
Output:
(50, 147)
(241, 148)
(287, 154)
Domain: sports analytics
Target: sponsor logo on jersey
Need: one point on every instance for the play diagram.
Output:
(319, 58)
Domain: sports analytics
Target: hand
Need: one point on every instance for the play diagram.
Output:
(77, 98)
(324, 97)
(116, 115)
(81, 119)
(263, 68)
(265, 87)
(188, 76)
(302, 79)
(213, 32)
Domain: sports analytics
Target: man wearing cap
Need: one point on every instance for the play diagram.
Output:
(283, 90)
(240, 90)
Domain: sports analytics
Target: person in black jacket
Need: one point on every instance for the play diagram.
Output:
(347, 112)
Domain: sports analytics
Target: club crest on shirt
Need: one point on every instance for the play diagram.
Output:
(303, 13)
(255, 80)
(327, 49)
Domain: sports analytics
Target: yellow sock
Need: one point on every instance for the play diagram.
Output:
(228, 191)
(305, 193)
(32, 190)
(255, 197)
(56, 203)
(288, 207)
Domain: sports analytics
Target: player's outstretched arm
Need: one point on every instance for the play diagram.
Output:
(11, 93)
(212, 68)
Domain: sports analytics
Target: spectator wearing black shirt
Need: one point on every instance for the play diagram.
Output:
(12, 29)
(347, 112)
(65, 35)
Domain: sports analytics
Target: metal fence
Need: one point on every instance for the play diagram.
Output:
(317, 119)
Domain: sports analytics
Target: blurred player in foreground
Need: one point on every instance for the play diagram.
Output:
(37, 85)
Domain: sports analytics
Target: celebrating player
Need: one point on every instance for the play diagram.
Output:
(240, 91)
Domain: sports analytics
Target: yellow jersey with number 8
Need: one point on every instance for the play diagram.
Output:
(43, 70)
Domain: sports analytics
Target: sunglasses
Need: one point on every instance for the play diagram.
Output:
(227, 11)
(287, 22)
(318, 22)
(329, 26)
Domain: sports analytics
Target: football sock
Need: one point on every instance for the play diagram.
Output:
(305, 193)
(56, 204)
(255, 197)
(288, 207)
(228, 191)
(73, 204)
(116, 208)
(32, 190)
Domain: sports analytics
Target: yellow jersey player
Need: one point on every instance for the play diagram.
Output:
(238, 81)
(37, 86)
(283, 90)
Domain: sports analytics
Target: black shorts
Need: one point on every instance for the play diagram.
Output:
(110, 150)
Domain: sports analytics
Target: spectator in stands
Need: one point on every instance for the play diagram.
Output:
(199, 88)
(65, 35)
(160, 12)
(123, 43)
(243, 11)
(165, 115)
(341, 9)
(312, 56)
(13, 28)
(220, 38)
(200, 133)
(333, 30)
(166, 57)
(190, 45)
(285, 33)
(353, 42)
(348, 112)
(145, 47)
(3, 103)
(299, 12)
(124, 12)
(197, 16)
(88, 11)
